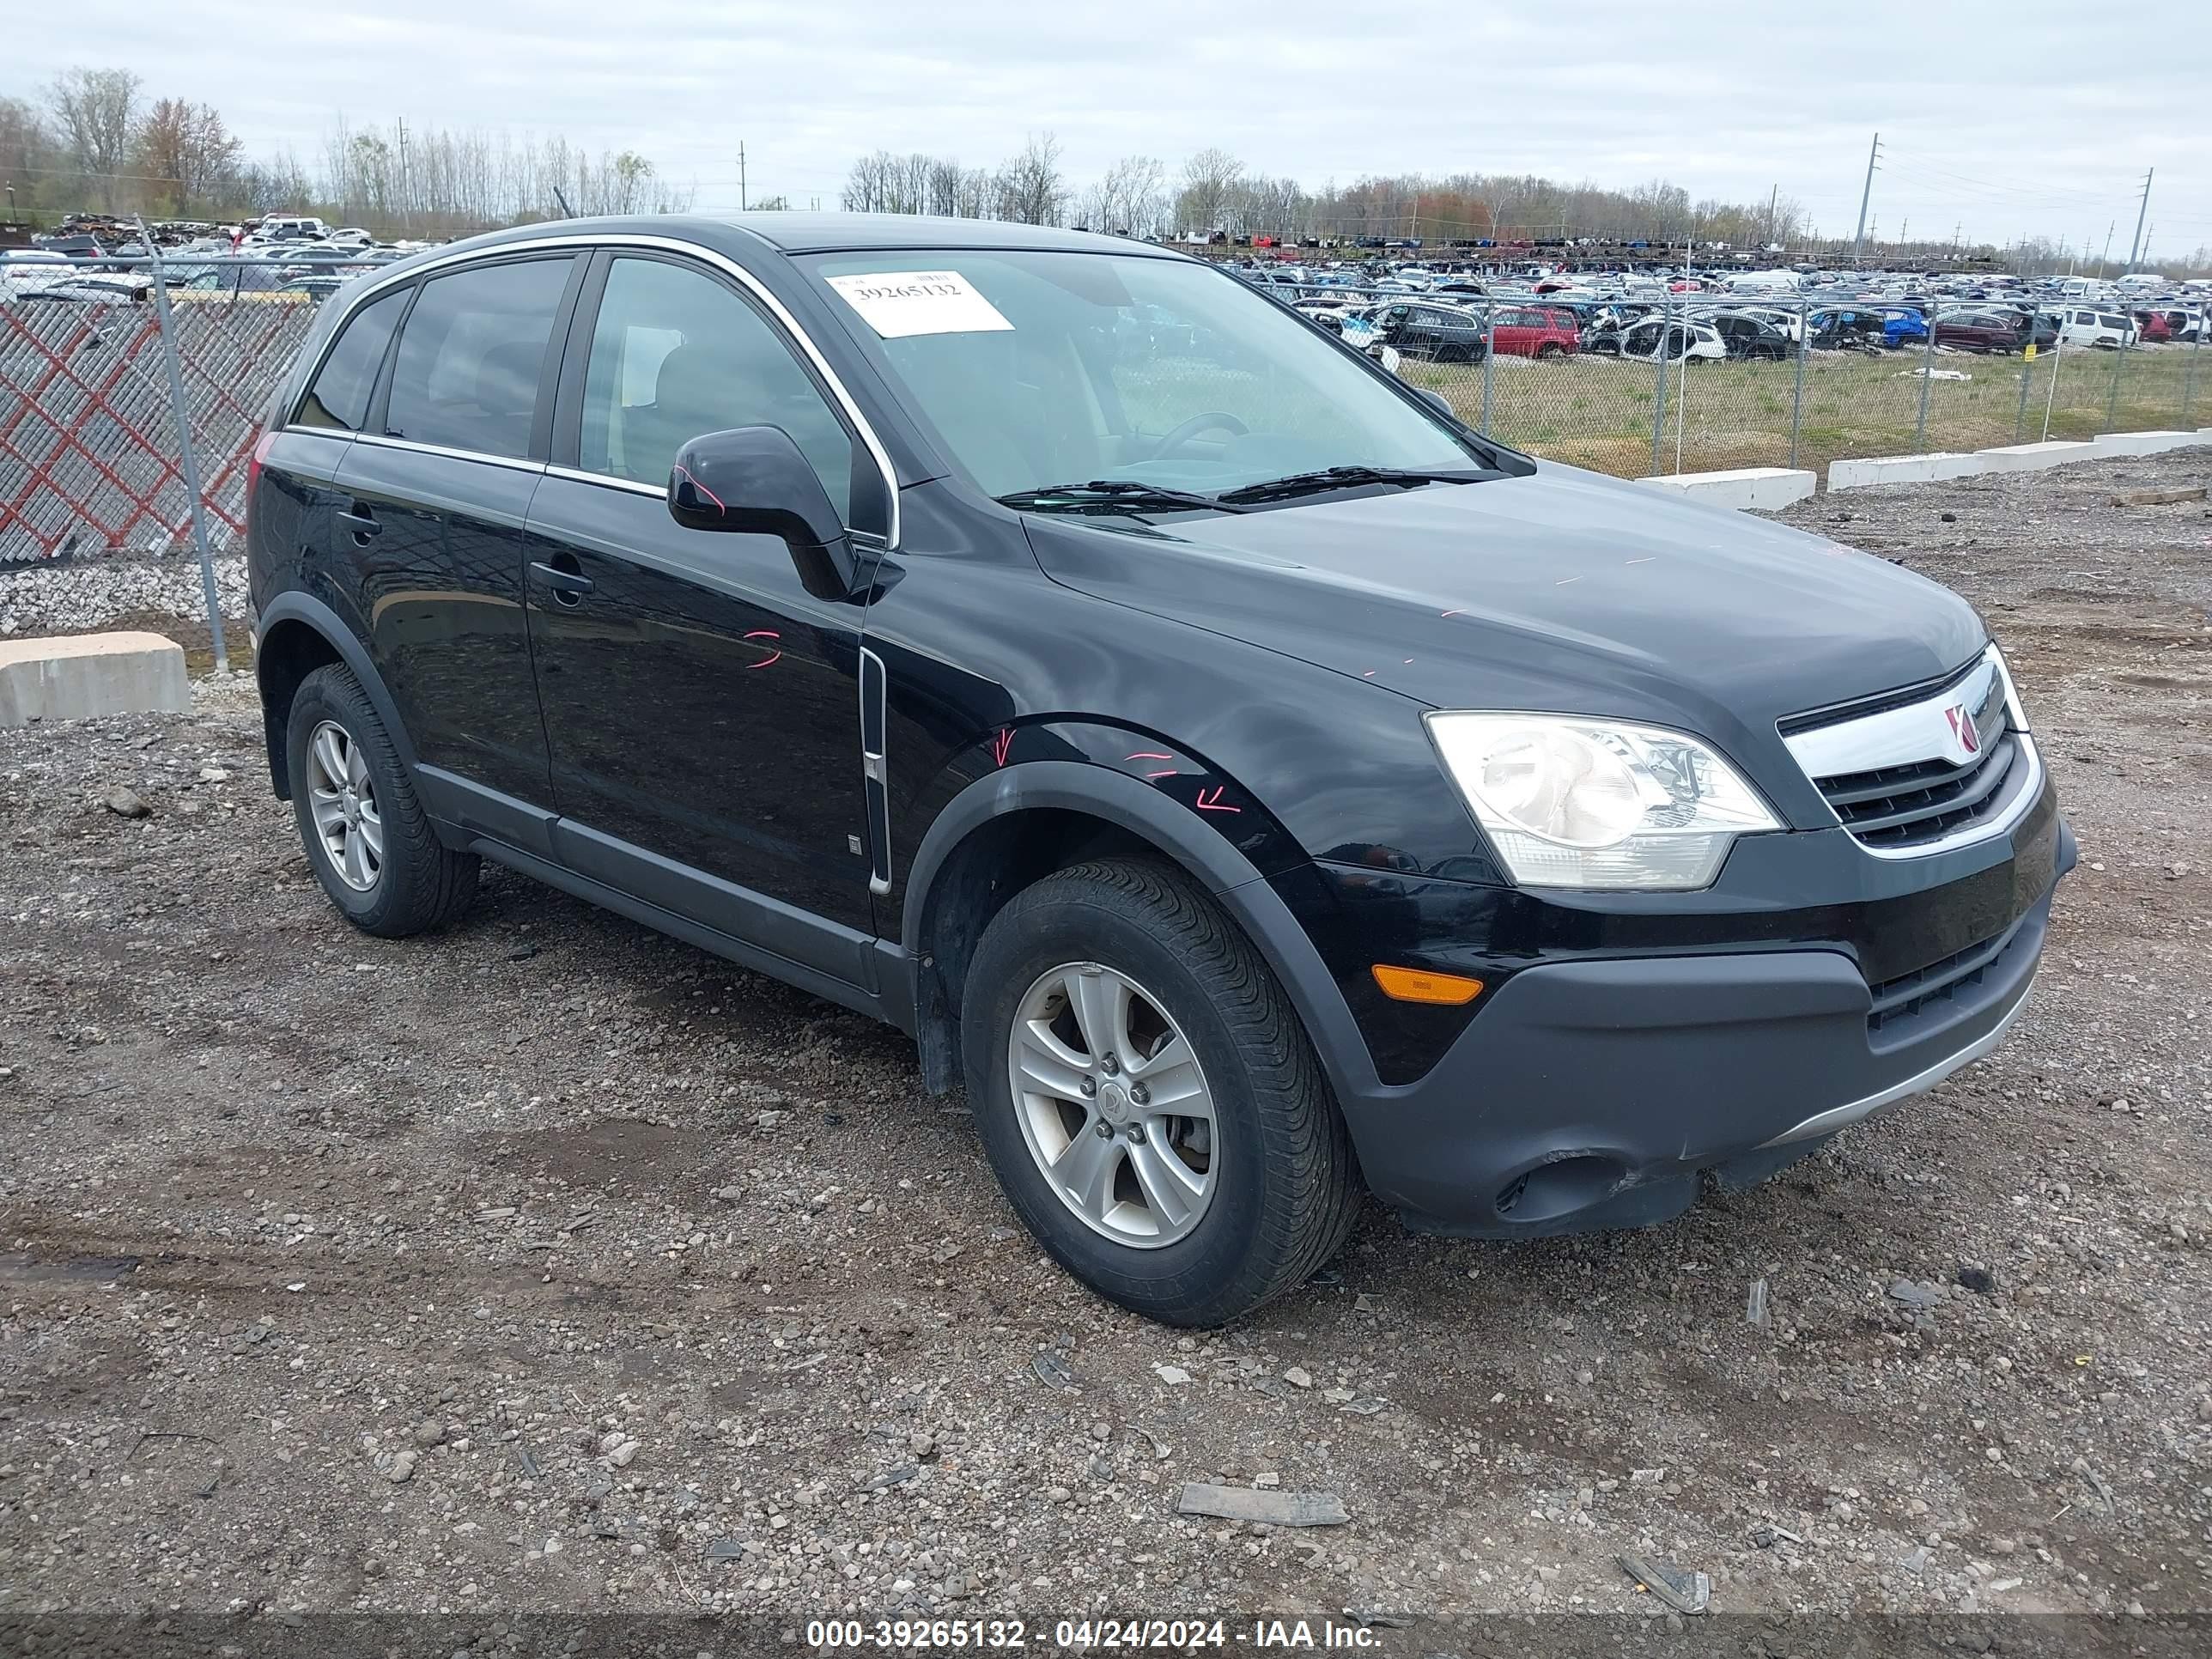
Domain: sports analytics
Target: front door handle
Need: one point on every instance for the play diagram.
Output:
(565, 577)
(358, 519)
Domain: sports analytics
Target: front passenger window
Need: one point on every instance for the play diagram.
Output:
(675, 353)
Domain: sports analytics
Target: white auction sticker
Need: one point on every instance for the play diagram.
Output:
(897, 303)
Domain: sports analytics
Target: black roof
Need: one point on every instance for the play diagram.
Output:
(737, 234)
(819, 232)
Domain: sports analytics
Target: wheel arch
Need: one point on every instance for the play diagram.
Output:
(1015, 826)
(298, 633)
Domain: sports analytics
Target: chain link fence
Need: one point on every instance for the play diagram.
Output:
(90, 456)
(91, 459)
(1704, 383)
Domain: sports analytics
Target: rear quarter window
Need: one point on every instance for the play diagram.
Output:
(339, 398)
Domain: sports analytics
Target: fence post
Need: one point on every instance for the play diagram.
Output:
(2027, 379)
(181, 412)
(2189, 375)
(1489, 354)
(1797, 398)
(2120, 361)
(1927, 382)
(1659, 388)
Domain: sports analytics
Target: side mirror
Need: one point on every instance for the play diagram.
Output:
(1435, 400)
(754, 479)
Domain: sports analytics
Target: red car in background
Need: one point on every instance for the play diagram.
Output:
(2154, 325)
(1537, 332)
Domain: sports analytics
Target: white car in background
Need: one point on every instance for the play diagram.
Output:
(1685, 341)
(2079, 326)
(26, 270)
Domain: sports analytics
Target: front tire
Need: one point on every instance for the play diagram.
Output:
(1148, 1097)
(370, 844)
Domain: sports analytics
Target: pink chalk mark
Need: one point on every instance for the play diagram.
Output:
(773, 656)
(1002, 742)
(1169, 773)
(1146, 754)
(704, 490)
(1210, 801)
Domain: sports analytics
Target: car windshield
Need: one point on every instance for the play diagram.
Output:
(1036, 369)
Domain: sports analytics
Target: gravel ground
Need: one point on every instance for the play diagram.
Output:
(83, 594)
(551, 1266)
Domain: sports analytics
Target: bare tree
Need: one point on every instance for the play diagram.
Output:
(1209, 184)
(97, 111)
(1031, 190)
(1131, 199)
(189, 145)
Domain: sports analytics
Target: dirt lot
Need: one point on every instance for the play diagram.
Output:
(550, 1264)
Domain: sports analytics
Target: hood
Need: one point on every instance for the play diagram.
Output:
(1563, 591)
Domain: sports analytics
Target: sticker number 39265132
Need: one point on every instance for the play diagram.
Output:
(897, 303)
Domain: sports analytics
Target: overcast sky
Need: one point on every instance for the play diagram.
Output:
(2015, 117)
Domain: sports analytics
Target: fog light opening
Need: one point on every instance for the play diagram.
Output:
(1559, 1188)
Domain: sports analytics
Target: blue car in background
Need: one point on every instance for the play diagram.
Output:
(1902, 326)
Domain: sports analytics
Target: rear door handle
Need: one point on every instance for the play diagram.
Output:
(358, 519)
(565, 577)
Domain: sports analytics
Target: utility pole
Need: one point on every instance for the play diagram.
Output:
(406, 217)
(1773, 197)
(2105, 258)
(2135, 246)
(1866, 195)
(741, 175)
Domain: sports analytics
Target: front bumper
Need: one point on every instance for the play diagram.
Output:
(1598, 1091)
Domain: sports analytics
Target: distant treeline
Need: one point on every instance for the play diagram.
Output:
(95, 143)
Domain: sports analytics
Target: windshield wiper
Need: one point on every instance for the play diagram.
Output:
(1114, 495)
(1347, 478)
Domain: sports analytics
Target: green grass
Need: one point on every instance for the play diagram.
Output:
(1597, 411)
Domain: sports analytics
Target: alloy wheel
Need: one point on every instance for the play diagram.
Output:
(342, 802)
(1113, 1105)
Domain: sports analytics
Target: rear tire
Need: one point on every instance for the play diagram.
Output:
(370, 844)
(1116, 957)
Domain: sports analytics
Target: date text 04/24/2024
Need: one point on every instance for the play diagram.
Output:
(1168, 1635)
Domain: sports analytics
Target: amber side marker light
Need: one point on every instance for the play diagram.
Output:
(1412, 985)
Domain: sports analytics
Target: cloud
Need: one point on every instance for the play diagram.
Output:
(2011, 118)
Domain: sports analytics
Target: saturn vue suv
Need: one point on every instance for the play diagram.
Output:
(1253, 787)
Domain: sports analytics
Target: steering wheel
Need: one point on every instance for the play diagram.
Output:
(1211, 420)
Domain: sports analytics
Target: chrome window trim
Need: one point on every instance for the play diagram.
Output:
(721, 262)
(1917, 731)
(633, 486)
(513, 463)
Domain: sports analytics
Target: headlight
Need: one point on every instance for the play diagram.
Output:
(1584, 803)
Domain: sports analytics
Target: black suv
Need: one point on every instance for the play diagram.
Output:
(1246, 780)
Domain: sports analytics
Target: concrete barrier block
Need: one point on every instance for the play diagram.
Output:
(88, 675)
(2033, 458)
(2110, 444)
(1900, 469)
(1767, 488)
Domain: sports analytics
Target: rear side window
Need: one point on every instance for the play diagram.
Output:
(466, 375)
(339, 397)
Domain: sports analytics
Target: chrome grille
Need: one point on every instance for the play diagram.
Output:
(1915, 772)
